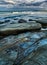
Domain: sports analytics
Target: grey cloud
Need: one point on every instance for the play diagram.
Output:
(2, 2)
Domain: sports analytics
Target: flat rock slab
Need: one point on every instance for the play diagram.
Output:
(39, 58)
(14, 49)
(19, 27)
(13, 38)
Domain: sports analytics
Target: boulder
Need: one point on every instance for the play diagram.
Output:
(43, 22)
(19, 28)
(4, 21)
(7, 20)
(22, 21)
(1, 22)
(30, 20)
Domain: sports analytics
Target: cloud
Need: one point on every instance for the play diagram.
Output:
(38, 0)
(15, 3)
(6, 3)
(10, 1)
(18, 1)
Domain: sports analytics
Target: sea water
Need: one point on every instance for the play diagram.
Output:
(23, 14)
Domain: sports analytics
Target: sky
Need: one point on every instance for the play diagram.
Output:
(6, 2)
(12, 3)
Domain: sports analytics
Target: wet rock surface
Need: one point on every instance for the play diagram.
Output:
(22, 21)
(39, 58)
(16, 48)
(25, 48)
(30, 20)
(19, 27)
(42, 21)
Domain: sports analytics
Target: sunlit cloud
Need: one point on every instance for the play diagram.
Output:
(10, 1)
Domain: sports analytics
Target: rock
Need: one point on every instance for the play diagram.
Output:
(30, 20)
(15, 18)
(4, 21)
(1, 22)
(7, 21)
(16, 48)
(2, 25)
(43, 42)
(38, 35)
(19, 28)
(22, 21)
(43, 22)
(39, 58)
(24, 37)
(11, 53)
(7, 41)
(5, 61)
(1, 37)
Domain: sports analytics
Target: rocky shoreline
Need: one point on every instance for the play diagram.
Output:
(24, 42)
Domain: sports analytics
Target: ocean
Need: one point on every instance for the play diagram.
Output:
(24, 13)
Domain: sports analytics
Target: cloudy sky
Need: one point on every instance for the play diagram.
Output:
(12, 3)
(15, 2)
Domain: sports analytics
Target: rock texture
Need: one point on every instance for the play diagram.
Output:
(28, 47)
(43, 22)
(40, 57)
(19, 27)
(16, 48)
(22, 21)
